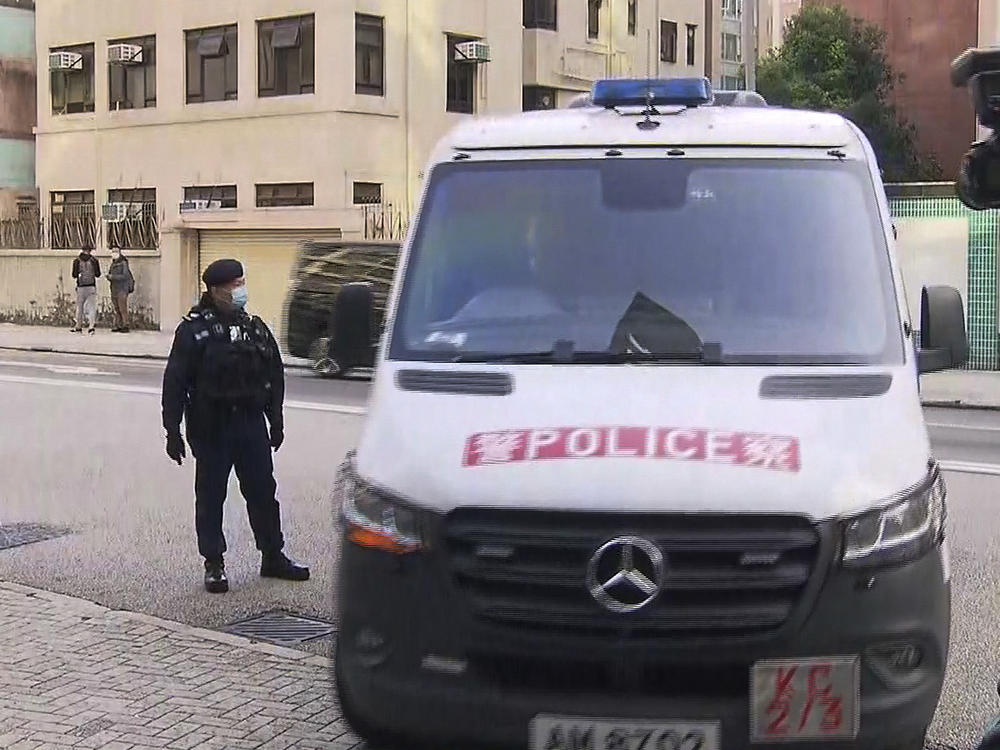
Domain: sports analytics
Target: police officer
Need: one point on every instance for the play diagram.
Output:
(225, 377)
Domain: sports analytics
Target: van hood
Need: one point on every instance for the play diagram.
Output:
(645, 438)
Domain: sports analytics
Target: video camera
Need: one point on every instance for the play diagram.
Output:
(978, 182)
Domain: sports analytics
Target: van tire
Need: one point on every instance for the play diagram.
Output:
(917, 742)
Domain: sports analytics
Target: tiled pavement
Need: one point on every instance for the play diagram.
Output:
(75, 674)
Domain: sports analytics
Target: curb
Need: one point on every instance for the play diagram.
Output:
(93, 609)
(110, 355)
(963, 405)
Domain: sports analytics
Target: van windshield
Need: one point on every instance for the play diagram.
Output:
(756, 261)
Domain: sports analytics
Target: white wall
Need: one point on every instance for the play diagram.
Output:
(932, 252)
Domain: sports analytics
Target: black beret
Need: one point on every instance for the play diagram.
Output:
(222, 271)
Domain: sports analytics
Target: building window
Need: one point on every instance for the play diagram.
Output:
(286, 56)
(132, 77)
(731, 83)
(692, 32)
(732, 8)
(273, 195)
(367, 193)
(224, 194)
(540, 14)
(668, 41)
(731, 47)
(369, 55)
(593, 19)
(632, 14)
(73, 219)
(137, 228)
(538, 97)
(212, 65)
(461, 79)
(72, 79)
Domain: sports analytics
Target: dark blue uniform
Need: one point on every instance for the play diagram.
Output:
(226, 379)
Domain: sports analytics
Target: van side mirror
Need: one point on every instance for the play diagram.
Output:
(943, 341)
(353, 320)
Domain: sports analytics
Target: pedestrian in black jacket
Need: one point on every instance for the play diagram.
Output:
(86, 271)
(122, 285)
(226, 379)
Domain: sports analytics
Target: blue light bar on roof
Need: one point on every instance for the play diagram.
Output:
(634, 92)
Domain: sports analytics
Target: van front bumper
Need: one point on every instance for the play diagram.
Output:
(415, 665)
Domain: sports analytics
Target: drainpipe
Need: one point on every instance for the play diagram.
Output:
(406, 104)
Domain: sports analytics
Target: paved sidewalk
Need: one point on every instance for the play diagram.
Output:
(76, 674)
(135, 344)
(962, 388)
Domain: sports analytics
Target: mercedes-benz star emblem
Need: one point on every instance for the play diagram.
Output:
(626, 574)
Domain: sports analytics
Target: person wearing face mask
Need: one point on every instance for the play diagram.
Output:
(225, 379)
(122, 285)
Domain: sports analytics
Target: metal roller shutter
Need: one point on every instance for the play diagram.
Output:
(267, 256)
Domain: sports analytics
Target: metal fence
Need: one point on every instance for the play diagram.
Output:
(68, 231)
(384, 222)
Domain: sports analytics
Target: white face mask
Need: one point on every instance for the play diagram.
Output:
(240, 296)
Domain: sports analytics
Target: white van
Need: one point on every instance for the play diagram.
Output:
(645, 466)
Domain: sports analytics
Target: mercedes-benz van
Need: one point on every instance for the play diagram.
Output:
(644, 466)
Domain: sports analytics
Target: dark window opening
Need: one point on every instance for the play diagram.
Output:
(461, 79)
(369, 55)
(73, 219)
(212, 65)
(691, 37)
(632, 14)
(272, 195)
(594, 18)
(668, 41)
(224, 194)
(540, 14)
(73, 87)
(286, 56)
(366, 193)
(131, 83)
(538, 97)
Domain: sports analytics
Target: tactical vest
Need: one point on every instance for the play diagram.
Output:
(235, 359)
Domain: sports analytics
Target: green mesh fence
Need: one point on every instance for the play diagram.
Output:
(981, 305)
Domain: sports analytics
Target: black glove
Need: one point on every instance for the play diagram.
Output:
(175, 447)
(277, 436)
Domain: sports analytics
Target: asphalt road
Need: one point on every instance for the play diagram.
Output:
(80, 447)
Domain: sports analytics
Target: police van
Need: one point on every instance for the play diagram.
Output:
(645, 466)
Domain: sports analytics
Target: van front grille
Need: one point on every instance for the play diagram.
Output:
(725, 575)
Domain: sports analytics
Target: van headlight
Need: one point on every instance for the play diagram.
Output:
(900, 532)
(371, 519)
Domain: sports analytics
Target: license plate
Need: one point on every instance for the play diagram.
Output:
(583, 733)
(805, 699)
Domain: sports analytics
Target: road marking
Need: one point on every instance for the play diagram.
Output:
(153, 391)
(57, 369)
(971, 427)
(970, 467)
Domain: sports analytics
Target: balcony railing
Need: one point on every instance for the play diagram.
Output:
(70, 229)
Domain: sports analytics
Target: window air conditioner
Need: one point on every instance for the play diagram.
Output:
(476, 51)
(200, 204)
(65, 61)
(114, 213)
(124, 54)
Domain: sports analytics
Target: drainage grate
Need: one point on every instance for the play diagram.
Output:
(17, 534)
(282, 628)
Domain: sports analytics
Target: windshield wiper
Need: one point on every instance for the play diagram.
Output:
(563, 353)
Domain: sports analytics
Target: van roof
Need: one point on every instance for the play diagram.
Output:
(679, 126)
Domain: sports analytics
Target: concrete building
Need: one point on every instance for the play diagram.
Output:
(17, 107)
(923, 38)
(241, 127)
(746, 35)
(569, 44)
(186, 130)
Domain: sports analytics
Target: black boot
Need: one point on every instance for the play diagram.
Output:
(279, 566)
(215, 577)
